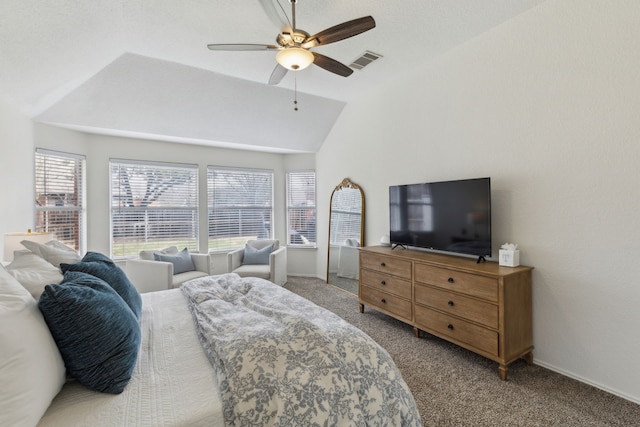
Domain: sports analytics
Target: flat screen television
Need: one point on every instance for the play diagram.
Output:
(449, 216)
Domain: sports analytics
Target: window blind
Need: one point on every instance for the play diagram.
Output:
(301, 208)
(59, 196)
(240, 206)
(153, 205)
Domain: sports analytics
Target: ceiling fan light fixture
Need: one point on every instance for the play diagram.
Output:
(294, 58)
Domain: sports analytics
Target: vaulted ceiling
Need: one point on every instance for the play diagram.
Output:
(141, 68)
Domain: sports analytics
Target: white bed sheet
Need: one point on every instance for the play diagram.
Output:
(173, 383)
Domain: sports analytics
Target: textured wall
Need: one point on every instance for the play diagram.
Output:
(548, 105)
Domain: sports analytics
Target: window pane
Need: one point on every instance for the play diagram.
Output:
(240, 206)
(153, 205)
(59, 187)
(301, 208)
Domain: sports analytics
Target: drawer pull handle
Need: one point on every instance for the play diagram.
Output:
(382, 264)
(450, 303)
(450, 326)
(384, 301)
(383, 282)
(450, 280)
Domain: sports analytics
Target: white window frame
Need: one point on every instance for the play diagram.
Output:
(230, 192)
(145, 215)
(61, 177)
(301, 209)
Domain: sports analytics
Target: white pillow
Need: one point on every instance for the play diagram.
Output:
(53, 252)
(33, 272)
(148, 255)
(31, 369)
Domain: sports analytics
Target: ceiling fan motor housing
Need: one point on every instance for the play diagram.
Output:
(292, 39)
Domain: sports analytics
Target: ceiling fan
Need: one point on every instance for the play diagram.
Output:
(294, 46)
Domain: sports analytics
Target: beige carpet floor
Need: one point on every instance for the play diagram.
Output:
(455, 387)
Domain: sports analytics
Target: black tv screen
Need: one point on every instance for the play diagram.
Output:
(451, 216)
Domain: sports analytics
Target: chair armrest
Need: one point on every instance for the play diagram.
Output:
(202, 262)
(149, 276)
(234, 259)
(278, 265)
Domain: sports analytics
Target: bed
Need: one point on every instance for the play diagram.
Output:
(225, 350)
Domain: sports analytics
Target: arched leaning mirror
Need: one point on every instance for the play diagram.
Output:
(346, 234)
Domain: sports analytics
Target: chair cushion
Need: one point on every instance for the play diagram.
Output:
(95, 330)
(255, 270)
(181, 261)
(179, 279)
(104, 268)
(254, 256)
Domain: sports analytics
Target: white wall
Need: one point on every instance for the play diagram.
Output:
(16, 151)
(548, 105)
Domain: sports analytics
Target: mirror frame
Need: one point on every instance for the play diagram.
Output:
(346, 183)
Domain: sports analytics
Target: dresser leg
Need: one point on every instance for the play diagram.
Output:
(528, 358)
(503, 369)
(361, 308)
(416, 332)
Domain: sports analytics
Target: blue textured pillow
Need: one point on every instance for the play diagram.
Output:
(181, 261)
(95, 330)
(256, 256)
(104, 268)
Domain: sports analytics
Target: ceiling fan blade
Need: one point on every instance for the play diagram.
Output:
(242, 47)
(275, 14)
(340, 32)
(331, 65)
(277, 74)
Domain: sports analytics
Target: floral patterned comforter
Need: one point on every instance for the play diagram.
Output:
(283, 361)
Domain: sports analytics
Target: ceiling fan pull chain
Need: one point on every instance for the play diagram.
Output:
(295, 93)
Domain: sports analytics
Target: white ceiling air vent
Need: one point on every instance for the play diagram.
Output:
(364, 60)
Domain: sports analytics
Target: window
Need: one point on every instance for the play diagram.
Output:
(153, 205)
(301, 208)
(60, 182)
(240, 206)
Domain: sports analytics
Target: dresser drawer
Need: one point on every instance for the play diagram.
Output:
(386, 283)
(449, 302)
(464, 332)
(383, 264)
(475, 285)
(391, 303)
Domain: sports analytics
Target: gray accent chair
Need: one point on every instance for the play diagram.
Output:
(275, 271)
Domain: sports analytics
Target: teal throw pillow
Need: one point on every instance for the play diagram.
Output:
(95, 330)
(181, 261)
(104, 268)
(253, 256)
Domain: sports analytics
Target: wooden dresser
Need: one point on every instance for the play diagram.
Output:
(482, 307)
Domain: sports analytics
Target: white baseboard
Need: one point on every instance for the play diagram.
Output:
(634, 399)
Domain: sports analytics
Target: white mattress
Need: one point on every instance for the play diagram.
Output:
(173, 383)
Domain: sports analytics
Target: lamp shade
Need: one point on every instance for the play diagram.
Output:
(12, 241)
(294, 58)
